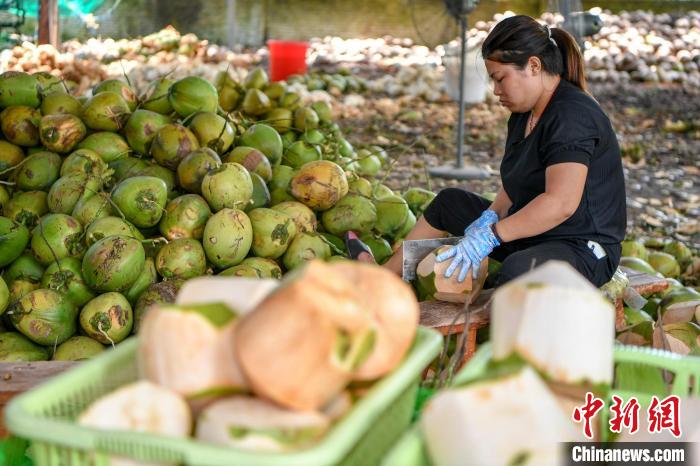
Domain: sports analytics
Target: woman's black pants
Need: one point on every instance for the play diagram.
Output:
(454, 209)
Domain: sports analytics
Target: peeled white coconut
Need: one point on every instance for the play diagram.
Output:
(497, 422)
(239, 293)
(139, 407)
(189, 349)
(394, 307)
(431, 280)
(301, 345)
(254, 424)
(557, 321)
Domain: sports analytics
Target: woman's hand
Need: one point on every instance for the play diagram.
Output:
(564, 184)
(478, 242)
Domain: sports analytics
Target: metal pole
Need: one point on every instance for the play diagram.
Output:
(460, 118)
(231, 23)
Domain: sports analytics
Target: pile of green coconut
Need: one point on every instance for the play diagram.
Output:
(668, 319)
(111, 201)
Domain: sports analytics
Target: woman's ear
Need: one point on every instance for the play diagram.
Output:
(534, 65)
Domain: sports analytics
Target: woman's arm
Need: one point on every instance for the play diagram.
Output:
(501, 203)
(564, 183)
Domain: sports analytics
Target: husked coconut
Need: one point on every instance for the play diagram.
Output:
(254, 424)
(510, 420)
(393, 305)
(557, 321)
(433, 283)
(301, 345)
(139, 407)
(239, 293)
(188, 349)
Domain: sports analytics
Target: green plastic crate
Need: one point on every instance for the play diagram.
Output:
(45, 415)
(410, 449)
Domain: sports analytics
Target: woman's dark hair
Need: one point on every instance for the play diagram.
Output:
(516, 39)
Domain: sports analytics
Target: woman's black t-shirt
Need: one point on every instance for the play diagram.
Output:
(572, 128)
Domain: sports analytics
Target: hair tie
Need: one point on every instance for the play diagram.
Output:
(549, 35)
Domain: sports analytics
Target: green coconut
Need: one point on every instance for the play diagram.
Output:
(57, 236)
(360, 186)
(44, 316)
(13, 239)
(351, 213)
(68, 190)
(38, 172)
(266, 140)
(19, 88)
(230, 92)
(314, 137)
(228, 236)
(185, 217)
(155, 97)
(381, 249)
(275, 90)
(336, 243)
(252, 159)
(319, 185)
(303, 217)
(407, 226)
(4, 296)
(305, 247)
(228, 187)
(636, 316)
(21, 287)
(168, 176)
(92, 208)
(241, 270)
(680, 252)
(10, 155)
(299, 153)
(147, 277)
(126, 168)
(120, 88)
(110, 226)
(141, 199)
(156, 294)
(256, 79)
(85, 162)
(323, 110)
(273, 231)
(15, 347)
(20, 125)
(267, 268)
(665, 264)
(392, 214)
(106, 111)
(305, 119)
(280, 119)
(261, 194)
(193, 168)
(141, 128)
(181, 258)
(281, 177)
(108, 318)
(212, 131)
(61, 133)
(25, 267)
(60, 103)
(173, 143)
(290, 100)
(113, 263)
(256, 103)
(192, 94)
(109, 146)
(48, 83)
(634, 249)
(418, 200)
(288, 138)
(635, 263)
(368, 164)
(78, 348)
(65, 276)
(26, 207)
(380, 190)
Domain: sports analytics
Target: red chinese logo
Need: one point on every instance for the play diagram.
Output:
(586, 412)
(624, 416)
(665, 415)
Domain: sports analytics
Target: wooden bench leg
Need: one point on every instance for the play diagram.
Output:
(471, 346)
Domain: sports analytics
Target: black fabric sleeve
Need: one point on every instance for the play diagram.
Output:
(569, 137)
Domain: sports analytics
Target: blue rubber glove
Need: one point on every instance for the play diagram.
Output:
(487, 218)
(477, 244)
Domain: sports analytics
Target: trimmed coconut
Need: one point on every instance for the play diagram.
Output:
(394, 307)
(188, 350)
(253, 424)
(239, 293)
(578, 321)
(433, 284)
(139, 407)
(510, 420)
(300, 346)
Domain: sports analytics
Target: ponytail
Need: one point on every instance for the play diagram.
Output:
(572, 61)
(516, 39)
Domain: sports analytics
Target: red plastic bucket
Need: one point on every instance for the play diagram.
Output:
(286, 58)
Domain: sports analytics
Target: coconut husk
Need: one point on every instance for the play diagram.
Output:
(432, 274)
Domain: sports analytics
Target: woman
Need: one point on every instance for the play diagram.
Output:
(563, 193)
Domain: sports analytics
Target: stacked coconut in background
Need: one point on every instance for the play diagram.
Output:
(111, 201)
